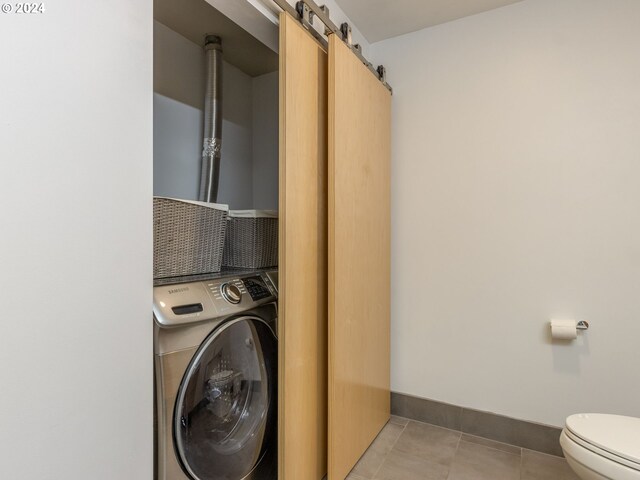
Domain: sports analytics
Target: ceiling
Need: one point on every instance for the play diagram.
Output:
(194, 19)
(381, 19)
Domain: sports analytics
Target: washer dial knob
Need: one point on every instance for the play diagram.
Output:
(231, 293)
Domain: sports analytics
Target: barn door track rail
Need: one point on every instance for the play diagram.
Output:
(306, 11)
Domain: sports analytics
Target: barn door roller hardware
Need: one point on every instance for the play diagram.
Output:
(307, 11)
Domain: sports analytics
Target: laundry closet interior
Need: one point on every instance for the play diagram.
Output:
(305, 138)
(249, 71)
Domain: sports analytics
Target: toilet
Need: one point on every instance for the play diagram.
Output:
(602, 447)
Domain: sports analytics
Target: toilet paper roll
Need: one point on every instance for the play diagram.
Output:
(564, 329)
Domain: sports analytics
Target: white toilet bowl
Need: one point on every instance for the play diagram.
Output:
(602, 447)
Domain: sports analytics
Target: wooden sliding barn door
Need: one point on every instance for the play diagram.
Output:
(303, 255)
(359, 257)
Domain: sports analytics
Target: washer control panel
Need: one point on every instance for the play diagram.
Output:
(231, 293)
(257, 288)
(184, 303)
(226, 292)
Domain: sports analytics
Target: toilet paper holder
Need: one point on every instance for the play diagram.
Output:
(582, 325)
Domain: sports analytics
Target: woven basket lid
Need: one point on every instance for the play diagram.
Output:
(217, 206)
(253, 213)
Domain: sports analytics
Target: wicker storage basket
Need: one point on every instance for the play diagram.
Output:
(252, 239)
(188, 237)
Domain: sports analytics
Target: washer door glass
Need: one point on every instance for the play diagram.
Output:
(226, 407)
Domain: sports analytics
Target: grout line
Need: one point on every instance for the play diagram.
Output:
(493, 448)
(482, 438)
(454, 455)
(543, 453)
(521, 461)
(392, 446)
(496, 449)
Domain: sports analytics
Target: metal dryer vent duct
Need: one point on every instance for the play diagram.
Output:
(212, 139)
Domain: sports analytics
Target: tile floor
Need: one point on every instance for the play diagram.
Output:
(409, 450)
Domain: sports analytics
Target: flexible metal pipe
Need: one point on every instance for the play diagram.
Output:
(212, 139)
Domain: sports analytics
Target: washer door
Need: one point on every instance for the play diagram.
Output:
(225, 414)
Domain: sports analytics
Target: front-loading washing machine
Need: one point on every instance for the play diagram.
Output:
(216, 371)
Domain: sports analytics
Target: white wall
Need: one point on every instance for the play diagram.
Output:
(252, 16)
(75, 166)
(516, 165)
(179, 72)
(177, 147)
(265, 141)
